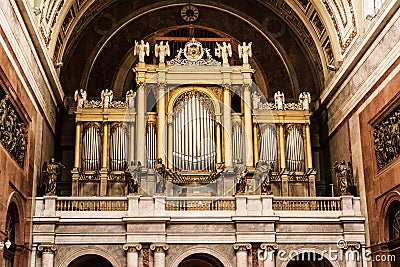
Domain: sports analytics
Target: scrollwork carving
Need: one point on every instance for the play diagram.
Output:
(13, 131)
(387, 139)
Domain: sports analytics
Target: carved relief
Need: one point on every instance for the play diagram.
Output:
(13, 132)
(387, 139)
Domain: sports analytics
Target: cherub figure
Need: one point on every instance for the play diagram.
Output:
(245, 52)
(305, 100)
(224, 51)
(106, 97)
(80, 98)
(161, 51)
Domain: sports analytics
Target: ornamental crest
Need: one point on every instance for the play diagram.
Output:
(193, 50)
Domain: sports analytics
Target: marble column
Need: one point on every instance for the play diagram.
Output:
(227, 128)
(282, 154)
(159, 254)
(131, 142)
(241, 253)
(161, 145)
(218, 141)
(170, 143)
(255, 138)
(78, 134)
(308, 146)
(269, 254)
(47, 254)
(141, 125)
(132, 254)
(248, 126)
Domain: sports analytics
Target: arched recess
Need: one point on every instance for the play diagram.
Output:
(90, 260)
(318, 254)
(384, 215)
(79, 252)
(200, 250)
(201, 260)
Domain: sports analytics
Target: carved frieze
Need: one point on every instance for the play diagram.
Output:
(13, 131)
(387, 139)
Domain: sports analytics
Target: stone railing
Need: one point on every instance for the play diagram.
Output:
(162, 206)
(214, 204)
(312, 204)
(91, 204)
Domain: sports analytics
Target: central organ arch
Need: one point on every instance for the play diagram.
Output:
(194, 130)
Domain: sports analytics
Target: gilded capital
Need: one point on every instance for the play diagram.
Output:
(242, 246)
(132, 247)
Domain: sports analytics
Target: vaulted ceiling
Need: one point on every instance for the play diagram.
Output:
(293, 41)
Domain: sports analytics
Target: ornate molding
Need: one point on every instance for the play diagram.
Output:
(349, 245)
(269, 246)
(47, 248)
(159, 247)
(13, 131)
(132, 247)
(242, 246)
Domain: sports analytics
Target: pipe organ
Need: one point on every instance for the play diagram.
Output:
(193, 131)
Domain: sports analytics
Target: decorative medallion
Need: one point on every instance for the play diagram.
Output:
(189, 13)
(193, 50)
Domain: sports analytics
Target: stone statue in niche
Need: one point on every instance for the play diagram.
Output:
(344, 176)
(80, 98)
(50, 172)
(245, 52)
(130, 99)
(141, 49)
(106, 97)
(305, 100)
(161, 50)
(279, 98)
(163, 173)
(241, 179)
(256, 99)
(133, 176)
(224, 51)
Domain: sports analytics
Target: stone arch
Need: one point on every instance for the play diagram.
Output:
(15, 198)
(390, 199)
(300, 251)
(200, 250)
(89, 251)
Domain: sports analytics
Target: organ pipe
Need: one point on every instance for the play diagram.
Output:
(294, 149)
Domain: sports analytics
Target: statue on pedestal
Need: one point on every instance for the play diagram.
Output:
(50, 172)
(241, 179)
(80, 98)
(245, 52)
(141, 49)
(344, 176)
(163, 173)
(161, 51)
(106, 97)
(130, 99)
(133, 175)
(305, 100)
(224, 51)
(279, 98)
(264, 172)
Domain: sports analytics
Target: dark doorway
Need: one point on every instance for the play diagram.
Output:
(309, 260)
(200, 260)
(90, 260)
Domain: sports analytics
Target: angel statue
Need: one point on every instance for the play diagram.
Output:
(106, 97)
(80, 98)
(305, 100)
(279, 98)
(344, 176)
(241, 180)
(161, 51)
(264, 173)
(224, 51)
(141, 49)
(130, 99)
(245, 52)
(50, 171)
(163, 173)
